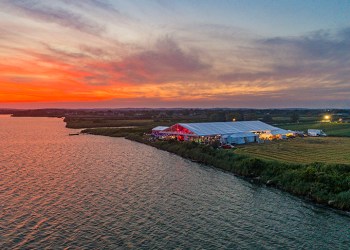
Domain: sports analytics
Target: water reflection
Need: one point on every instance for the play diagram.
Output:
(83, 191)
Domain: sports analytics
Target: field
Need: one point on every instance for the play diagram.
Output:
(331, 128)
(302, 150)
(97, 122)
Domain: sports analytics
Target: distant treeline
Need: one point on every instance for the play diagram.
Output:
(6, 111)
(76, 118)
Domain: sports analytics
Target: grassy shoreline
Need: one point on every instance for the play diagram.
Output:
(327, 184)
(302, 150)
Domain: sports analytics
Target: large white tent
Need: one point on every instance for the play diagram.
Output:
(240, 138)
(218, 128)
(228, 132)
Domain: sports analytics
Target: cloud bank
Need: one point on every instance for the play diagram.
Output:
(70, 52)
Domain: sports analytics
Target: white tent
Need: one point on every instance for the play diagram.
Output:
(242, 138)
(157, 131)
(218, 128)
(279, 132)
(159, 128)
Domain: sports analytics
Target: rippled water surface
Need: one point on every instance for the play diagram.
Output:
(90, 192)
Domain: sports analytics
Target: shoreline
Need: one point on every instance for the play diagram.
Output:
(301, 180)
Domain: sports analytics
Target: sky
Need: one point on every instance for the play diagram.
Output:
(165, 53)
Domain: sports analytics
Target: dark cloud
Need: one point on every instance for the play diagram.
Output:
(320, 45)
(166, 62)
(236, 76)
(322, 57)
(58, 15)
(266, 100)
(319, 55)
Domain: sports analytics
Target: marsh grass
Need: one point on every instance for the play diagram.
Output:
(302, 150)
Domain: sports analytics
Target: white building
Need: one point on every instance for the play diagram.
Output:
(227, 132)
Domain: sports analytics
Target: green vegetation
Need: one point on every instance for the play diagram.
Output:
(330, 128)
(116, 132)
(316, 168)
(295, 117)
(324, 183)
(302, 150)
(96, 122)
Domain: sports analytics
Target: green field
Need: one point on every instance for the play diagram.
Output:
(78, 122)
(330, 128)
(302, 150)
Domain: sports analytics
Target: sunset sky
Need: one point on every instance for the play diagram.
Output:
(134, 53)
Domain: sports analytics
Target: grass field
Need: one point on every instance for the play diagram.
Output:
(302, 150)
(73, 122)
(331, 129)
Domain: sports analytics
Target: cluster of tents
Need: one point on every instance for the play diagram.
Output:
(227, 132)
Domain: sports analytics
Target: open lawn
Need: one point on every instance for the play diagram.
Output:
(302, 150)
(330, 128)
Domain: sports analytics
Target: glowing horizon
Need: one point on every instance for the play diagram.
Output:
(138, 53)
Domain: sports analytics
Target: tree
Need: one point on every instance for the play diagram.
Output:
(294, 117)
(267, 118)
(237, 116)
(217, 117)
(250, 117)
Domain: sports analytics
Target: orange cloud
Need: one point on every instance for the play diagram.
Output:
(169, 72)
